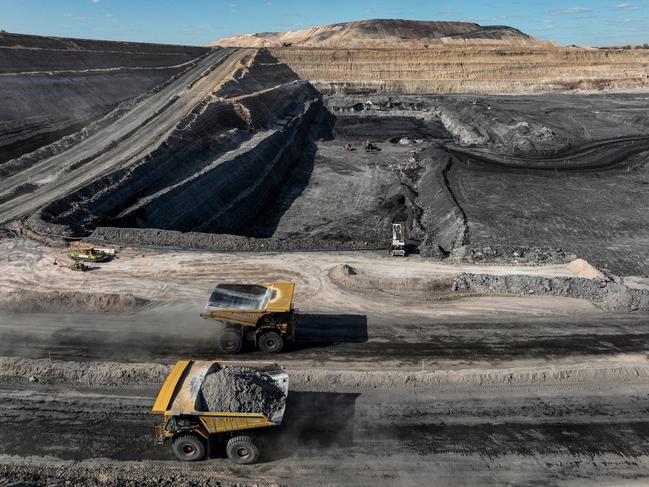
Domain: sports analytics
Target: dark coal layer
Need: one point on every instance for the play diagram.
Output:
(52, 87)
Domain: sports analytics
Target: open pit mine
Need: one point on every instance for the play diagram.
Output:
(438, 230)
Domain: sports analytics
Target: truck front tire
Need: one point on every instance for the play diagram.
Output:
(270, 342)
(242, 450)
(188, 448)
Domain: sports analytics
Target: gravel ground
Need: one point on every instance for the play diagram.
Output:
(574, 429)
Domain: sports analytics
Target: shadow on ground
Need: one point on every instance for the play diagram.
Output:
(314, 420)
(322, 330)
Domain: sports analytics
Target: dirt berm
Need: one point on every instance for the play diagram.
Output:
(241, 390)
(99, 374)
(610, 294)
(65, 302)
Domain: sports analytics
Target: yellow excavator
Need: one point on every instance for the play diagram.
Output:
(260, 315)
(89, 254)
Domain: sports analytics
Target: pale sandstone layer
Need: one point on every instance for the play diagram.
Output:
(469, 69)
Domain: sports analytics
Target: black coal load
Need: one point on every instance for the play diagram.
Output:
(241, 390)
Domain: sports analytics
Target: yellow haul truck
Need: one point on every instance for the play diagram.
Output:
(192, 431)
(261, 315)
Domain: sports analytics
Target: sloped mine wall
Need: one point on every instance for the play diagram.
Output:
(39, 109)
(184, 153)
(234, 189)
(51, 87)
(442, 218)
(213, 174)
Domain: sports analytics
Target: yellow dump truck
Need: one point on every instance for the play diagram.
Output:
(192, 432)
(261, 315)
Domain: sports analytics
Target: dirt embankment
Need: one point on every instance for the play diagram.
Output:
(98, 374)
(468, 69)
(153, 238)
(611, 294)
(38, 472)
(66, 302)
(52, 87)
(114, 374)
(510, 255)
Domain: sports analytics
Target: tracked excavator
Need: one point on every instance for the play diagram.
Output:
(91, 254)
(261, 316)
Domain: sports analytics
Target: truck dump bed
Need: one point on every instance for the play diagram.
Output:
(274, 297)
(180, 394)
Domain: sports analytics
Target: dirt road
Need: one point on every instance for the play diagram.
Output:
(390, 310)
(393, 380)
(132, 136)
(446, 435)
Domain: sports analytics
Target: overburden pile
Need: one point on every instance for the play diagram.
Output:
(241, 390)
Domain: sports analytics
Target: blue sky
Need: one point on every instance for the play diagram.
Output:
(197, 22)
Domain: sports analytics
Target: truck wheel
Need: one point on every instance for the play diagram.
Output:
(270, 342)
(230, 341)
(188, 448)
(242, 450)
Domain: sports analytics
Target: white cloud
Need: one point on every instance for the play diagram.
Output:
(569, 11)
(626, 6)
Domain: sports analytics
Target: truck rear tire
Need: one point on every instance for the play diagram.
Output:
(230, 341)
(270, 342)
(242, 450)
(188, 448)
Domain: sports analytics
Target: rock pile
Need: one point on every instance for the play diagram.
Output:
(241, 390)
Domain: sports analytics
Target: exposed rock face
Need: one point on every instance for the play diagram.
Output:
(423, 57)
(235, 148)
(384, 33)
(52, 86)
(459, 68)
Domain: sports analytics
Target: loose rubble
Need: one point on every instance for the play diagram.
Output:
(240, 389)
(611, 294)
